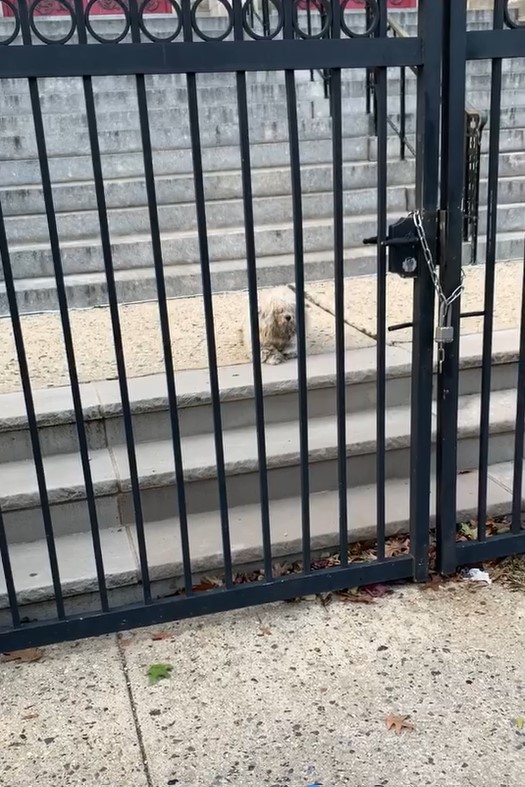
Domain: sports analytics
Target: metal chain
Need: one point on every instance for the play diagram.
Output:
(445, 301)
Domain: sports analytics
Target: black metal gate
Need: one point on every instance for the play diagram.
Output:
(286, 44)
(506, 40)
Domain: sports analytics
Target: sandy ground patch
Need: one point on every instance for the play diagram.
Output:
(94, 348)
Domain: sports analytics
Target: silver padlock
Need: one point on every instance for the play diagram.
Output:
(444, 330)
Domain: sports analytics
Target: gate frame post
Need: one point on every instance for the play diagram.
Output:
(430, 21)
(452, 168)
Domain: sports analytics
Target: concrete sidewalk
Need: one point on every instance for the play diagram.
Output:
(289, 694)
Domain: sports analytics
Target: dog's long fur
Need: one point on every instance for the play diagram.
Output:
(277, 326)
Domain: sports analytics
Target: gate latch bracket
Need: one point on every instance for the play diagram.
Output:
(403, 248)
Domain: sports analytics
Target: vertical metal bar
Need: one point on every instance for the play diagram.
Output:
(64, 316)
(200, 205)
(297, 215)
(517, 486)
(450, 272)
(339, 281)
(266, 18)
(466, 184)
(309, 31)
(490, 271)
(380, 80)
(158, 263)
(475, 197)
(403, 109)
(427, 183)
(251, 263)
(8, 575)
(105, 239)
(25, 379)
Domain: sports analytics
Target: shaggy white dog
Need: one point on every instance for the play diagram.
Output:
(277, 326)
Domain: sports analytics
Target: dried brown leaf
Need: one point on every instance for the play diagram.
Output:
(207, 583)
(434, 583)
(281, 569)
(27, 656)
(29, 716)
(397, 546)
(264, 630)
(398, 723)
(377, 590)
(160, 635)
(359, 599)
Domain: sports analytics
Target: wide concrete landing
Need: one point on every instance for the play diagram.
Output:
(94, 347)
(285, 695)
(361, 300)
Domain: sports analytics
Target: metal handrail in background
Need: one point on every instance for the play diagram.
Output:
(475, 121)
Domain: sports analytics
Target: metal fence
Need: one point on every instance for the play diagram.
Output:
(284, 44)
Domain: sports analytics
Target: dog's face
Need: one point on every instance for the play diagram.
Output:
(279, 317)
(285, 318)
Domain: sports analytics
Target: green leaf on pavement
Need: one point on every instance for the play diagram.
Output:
(520, 722)
(158, 671)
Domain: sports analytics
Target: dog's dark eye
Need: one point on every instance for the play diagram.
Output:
(288, 317)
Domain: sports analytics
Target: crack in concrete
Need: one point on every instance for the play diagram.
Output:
(138, 730)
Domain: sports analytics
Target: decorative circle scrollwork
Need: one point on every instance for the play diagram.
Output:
(204, 36)
(509, 21)
(160, 39)
(45, 39)
(247, 13)
(101, 39)
(374, 16)
(324, 9)
(16, 18)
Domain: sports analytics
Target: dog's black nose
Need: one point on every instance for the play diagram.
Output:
(288, 317)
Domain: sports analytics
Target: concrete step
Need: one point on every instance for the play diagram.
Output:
(177, 161)
(71, 100)
(181, 217)
(65, 96)
(30, 561)
(226, 184)
(225, 158)
(149, 401)
(138, 284)
(125, 140)
(112, 484)
(64, 152)
(174, 119)
(228, 214)
(133, 250)
(223, 111)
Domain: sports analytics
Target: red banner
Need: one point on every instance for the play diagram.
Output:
(52, 8)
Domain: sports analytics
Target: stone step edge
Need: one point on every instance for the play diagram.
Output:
(119, 546)
(228, 202)
(210, 172)
(232, 201)
(273, 226)
(508, 123)
(101, 399)
(110, 468)
(258, 170)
